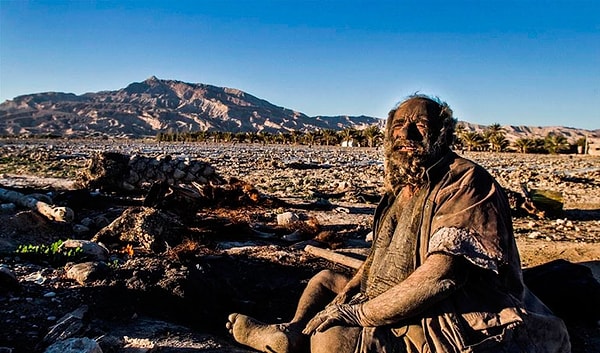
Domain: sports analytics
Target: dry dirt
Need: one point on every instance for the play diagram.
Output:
(178, 300)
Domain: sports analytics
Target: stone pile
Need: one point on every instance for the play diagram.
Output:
(115, 171)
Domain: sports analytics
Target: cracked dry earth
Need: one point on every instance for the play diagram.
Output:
(178, 300)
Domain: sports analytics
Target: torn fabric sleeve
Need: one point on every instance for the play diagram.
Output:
(463, 242)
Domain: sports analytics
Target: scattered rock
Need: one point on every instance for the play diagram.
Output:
(8, 280)
(7, 208)
(295, 236)
(41, 197)
(37, 277)
(100, 221)
(147, 227)
(68, 326)
(342, 210)
(86, 272)
(109, 343)
(90, 250)
(568, 289)
(286, 218)
(80, 229)
(75, 345)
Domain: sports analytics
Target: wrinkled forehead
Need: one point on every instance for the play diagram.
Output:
(418, 108)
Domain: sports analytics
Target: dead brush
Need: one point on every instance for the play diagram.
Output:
(187, 249)
(303, 229)
(333, 240)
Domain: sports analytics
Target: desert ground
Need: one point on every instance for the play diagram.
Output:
(235, 257)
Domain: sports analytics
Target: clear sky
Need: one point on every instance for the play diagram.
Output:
(521, 62)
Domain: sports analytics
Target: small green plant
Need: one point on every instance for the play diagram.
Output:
(114, 264)
(53, 253)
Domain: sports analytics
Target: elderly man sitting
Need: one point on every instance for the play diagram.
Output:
(443, 274)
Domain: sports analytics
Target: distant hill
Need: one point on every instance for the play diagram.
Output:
(513, 133)
(143, 109)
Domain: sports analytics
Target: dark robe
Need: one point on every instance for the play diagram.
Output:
(461, 211)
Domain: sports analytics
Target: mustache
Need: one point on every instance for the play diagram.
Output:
(402, 146)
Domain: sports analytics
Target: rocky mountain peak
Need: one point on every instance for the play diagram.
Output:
(145, 108)
(152, 86)
(142, 109)
(152, 79)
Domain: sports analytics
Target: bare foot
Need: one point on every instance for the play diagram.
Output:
(277, 338)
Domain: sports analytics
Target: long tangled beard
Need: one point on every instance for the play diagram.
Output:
(404, 168)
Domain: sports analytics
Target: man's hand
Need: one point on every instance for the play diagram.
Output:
(343, 314)
(341, 298)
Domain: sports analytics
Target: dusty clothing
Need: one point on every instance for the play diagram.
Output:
(463, 212)
(394, 249)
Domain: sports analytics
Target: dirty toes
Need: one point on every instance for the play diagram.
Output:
(260, 336)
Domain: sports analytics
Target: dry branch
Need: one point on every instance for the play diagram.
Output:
(334, 256)
(54, 213)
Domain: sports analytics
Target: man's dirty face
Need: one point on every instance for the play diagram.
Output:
(411, 134)
(414, 127)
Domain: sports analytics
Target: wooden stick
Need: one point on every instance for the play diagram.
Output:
(334, 257)
(54, 213)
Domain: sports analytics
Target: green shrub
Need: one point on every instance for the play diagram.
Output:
(54, 253)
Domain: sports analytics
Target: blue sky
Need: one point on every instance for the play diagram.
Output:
(522, 62)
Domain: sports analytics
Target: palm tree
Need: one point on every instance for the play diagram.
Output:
(581, 144)
(310, 137)
(347, 134)
(554, 143)
(524, 145)
(492, 130)
(498, 142)
(459, 131)
(252, 136)
(295, 136)
(283, 138)
(217, 136)
(227, 136)
(240, 136)
(472, 140)
(318, 136)
(200, 136)
(264, 137)
(360, 139)
(329, 136)
(373, 134)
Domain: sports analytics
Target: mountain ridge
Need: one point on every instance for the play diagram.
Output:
(142, 109)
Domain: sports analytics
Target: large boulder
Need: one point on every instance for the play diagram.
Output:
(145, 227)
